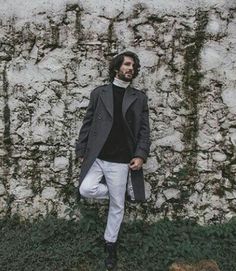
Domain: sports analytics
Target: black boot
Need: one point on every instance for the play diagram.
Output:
(111, 259)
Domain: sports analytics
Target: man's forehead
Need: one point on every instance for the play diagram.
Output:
(128, 59)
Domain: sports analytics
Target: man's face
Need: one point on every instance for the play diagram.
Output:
(126, 71)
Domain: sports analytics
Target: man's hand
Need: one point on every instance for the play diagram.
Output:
(136, 163)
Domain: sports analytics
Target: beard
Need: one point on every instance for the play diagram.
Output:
(122, 76)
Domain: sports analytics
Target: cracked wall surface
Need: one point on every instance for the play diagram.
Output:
(52, 54)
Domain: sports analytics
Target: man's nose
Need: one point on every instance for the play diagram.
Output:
(131, 68)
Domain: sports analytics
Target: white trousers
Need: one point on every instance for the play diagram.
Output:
(114, 189)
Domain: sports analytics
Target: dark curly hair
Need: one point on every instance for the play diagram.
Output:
(117, 61)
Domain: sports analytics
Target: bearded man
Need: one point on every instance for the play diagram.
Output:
(114, 143)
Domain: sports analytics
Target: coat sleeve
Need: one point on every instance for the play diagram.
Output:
(143, 142)
(81, 142)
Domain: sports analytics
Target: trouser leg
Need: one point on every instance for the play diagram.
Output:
(116, 179)
(91, 186)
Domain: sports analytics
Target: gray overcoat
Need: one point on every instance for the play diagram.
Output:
(97, 125)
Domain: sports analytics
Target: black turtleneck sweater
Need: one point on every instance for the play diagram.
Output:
(116, 148)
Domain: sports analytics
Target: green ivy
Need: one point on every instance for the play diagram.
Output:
(53, 244)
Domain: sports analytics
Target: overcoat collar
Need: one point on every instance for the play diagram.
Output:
(129, 97)
(107, 97)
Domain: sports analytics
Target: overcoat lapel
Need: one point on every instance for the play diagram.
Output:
(107, 98)
(129, 97)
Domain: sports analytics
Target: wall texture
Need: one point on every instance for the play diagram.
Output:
(53, 53)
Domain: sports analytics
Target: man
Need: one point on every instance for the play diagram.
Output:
(113, 141)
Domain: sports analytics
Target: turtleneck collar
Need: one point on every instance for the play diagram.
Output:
(119, 83)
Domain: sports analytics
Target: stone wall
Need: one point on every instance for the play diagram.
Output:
(53, 53)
